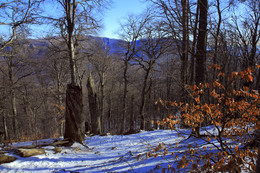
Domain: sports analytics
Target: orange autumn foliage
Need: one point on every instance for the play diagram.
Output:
(233, 112)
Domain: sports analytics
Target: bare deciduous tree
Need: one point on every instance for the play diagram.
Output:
(15, 14)
(77, 19)
(153, 46)
(131, 33)
(15, 67)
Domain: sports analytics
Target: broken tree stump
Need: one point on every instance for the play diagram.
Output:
(75, 120)
(28, 152)
(6, 159)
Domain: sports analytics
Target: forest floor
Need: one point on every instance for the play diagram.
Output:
(118, 153)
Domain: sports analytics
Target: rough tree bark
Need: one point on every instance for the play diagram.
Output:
(75, 122)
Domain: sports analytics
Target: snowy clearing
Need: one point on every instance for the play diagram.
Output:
(106, 154)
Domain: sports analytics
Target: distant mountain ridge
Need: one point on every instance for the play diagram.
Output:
(43, 43)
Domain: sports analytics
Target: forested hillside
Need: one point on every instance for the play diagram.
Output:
(40, 74)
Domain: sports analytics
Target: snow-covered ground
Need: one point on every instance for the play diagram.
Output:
(106, 154)
(117, 153)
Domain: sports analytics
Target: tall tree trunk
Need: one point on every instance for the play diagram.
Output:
(132, 118)
(117, 119)
(72, 60)
(101, 107)
(215, 56)
(27, 110)
(14, 113)
(143, 100)
(6, 136)
(12, 95)
(124, 96)
(201, 48)
(194, 43)
(75, 122)
(255, 40)
(109, 113)
(58, 84)
(93, 107)
(70, 17)
(185, 45)
(202, 43)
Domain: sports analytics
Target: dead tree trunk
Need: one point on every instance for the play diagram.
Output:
(75, 121)
(93, 107)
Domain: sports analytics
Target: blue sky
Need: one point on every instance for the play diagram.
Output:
(118, 11)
